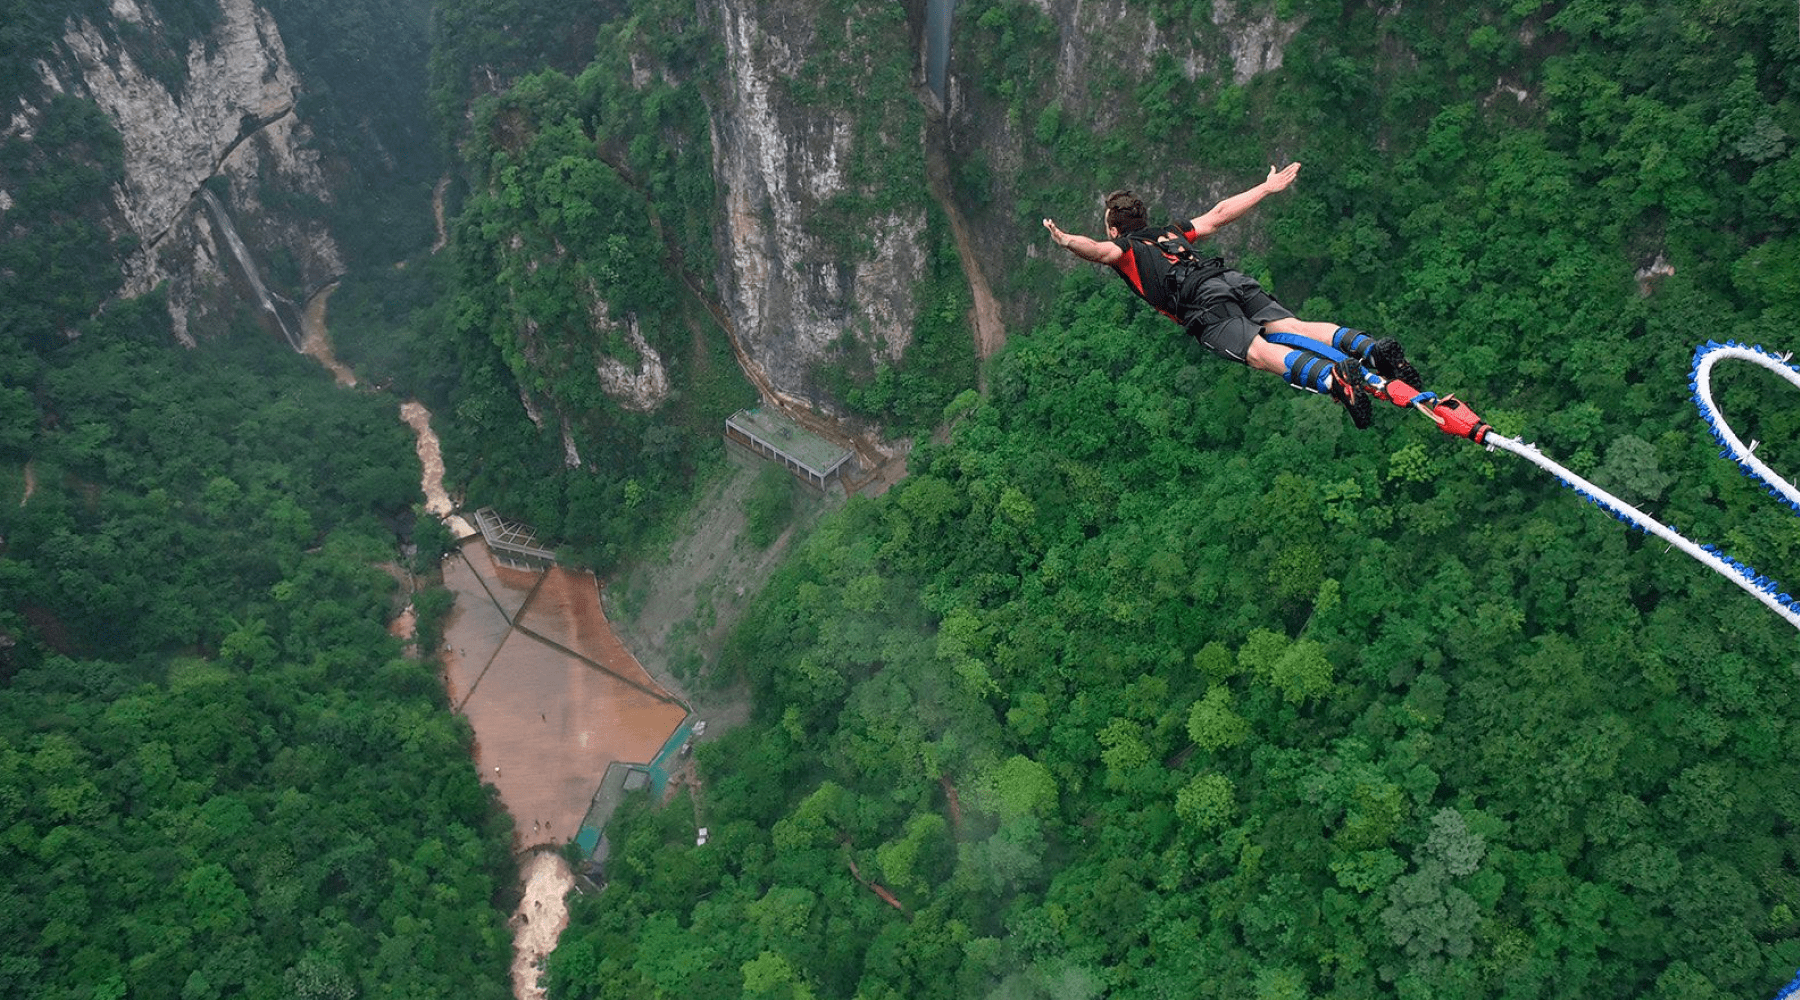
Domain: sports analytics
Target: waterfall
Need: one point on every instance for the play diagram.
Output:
(937, 44)
(264, 297)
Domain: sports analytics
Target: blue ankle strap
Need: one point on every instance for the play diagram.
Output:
(1307, 370)
(1352, 340)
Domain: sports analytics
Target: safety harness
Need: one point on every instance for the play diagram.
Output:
(1186, 268)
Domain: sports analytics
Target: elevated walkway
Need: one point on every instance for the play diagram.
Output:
(512, 543)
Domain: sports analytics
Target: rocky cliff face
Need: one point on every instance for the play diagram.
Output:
(783, 156)
(230, 120)
(817, 130)
(1119, 42)
(805, 261)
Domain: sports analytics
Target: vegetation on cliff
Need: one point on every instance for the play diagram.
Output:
(57, 259)
(219, 776)
(1154, 678)
(364, 70)
(589, 220)
(569, 254)
(1157, 679)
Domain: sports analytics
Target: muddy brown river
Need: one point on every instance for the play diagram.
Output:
(551, 692)
(553, 697)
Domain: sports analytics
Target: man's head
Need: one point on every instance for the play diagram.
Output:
(1125, 212)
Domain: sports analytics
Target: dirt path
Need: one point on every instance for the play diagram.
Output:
(30, 481)
(543, 913)
(990, 332)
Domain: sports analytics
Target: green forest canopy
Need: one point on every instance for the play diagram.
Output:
(219, 775)
(1231, 700)
(1158, 680)
(1234, 761)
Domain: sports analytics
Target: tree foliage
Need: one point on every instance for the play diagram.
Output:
(218, 774)
(584, 242)
(1219, 698)
(1152, 679)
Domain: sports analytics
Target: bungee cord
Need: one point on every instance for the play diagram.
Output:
(1453, 417)
(1705, 358)
(1753, 583)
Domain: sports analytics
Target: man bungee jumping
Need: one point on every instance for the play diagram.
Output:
(1228, 311)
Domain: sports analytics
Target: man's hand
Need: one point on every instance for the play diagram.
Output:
(1227, 211)
(1083, 247)
(1280, 179)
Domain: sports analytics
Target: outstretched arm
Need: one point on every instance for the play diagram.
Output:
(1081, 246)
(1231, 208)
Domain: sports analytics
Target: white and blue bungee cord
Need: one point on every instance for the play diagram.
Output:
(1763, 588)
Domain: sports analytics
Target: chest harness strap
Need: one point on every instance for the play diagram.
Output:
(1186, 268)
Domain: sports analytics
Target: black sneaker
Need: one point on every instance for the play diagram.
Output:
(1389, 361)
(1349, 387)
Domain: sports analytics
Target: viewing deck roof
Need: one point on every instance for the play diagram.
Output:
(777, 438)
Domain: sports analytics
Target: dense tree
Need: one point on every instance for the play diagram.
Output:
(576, 242)
(1215, 698)
(1150, 680)
(219, 776)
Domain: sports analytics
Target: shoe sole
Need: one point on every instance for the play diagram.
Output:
(1390, 363)
(1352, 392)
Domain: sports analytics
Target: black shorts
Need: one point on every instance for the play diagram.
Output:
(1227, 313)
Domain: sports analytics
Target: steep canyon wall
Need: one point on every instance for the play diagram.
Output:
(814, 249)
(821, 223)
(227, 118)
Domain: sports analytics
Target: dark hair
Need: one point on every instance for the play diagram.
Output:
(1125, 212)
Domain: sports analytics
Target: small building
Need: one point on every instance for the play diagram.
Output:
(511, 543)
(768, 434)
